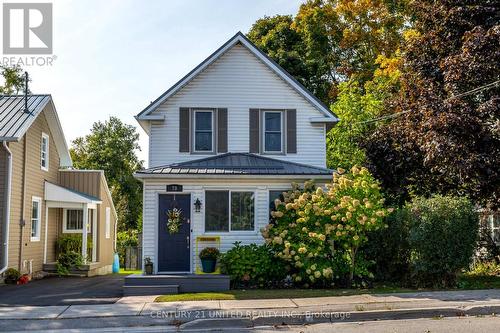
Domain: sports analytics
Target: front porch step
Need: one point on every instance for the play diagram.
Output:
(85, 270)
(150, 290)
(185, 283)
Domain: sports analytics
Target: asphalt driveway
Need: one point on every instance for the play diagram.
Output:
(64, 291)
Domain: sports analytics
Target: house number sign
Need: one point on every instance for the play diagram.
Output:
(174, 188)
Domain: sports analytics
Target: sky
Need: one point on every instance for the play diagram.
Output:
(114, 57)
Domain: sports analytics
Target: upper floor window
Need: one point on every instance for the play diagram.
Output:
(203, 131)
(273, 132)
(44, 152)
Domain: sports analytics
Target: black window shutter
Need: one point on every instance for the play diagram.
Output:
(184, 130)
(222, 130)
(254, 131)
(291, 131)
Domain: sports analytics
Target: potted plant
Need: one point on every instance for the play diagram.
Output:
(208, 258)
(12, 275)
(148, 266)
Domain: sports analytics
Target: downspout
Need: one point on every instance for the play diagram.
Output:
(5, 231)
(22, 222)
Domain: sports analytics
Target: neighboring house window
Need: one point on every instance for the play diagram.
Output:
(36, 207)
(44, 152)
(108, 222)
(494, 220)
(273, 195)
(273, 132)
(73, 220)
(229, 211)
(203, 131)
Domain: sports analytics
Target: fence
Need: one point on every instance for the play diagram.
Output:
(133, 257)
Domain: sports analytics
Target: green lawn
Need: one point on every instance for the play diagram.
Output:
(276, 293)
(465, 282)
(128, 272)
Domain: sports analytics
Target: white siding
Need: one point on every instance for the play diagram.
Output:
(150, 217)
(237, 81)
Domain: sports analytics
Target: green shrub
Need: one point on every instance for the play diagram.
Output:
(125, 239)
(320, 231)
(72, 243)
(491, 268)
(253, 265)
(443, 233)
(11, 275)
(67, 261)
(389, 248)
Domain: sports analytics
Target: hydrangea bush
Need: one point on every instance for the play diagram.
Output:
(319, 230)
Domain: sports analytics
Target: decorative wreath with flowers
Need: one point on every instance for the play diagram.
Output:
(174, 220)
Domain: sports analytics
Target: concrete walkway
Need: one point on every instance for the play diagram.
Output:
(191, 310)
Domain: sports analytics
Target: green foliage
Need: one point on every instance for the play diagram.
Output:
(443, 234)
(489, 268)
(111, 146)
(125, 239)
(11, 275)
(67, 261)
(72, 243)
(253, 265)
(444, 141)
(319, 232)
(13, 80)
(390, 249)
(352, 106)
(328, 42)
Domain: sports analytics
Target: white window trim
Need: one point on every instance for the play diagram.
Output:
(73, 231)
(282, 132)
(36, 238)
(47, 138)
(108, 223)
(212, 111)
(213, 232)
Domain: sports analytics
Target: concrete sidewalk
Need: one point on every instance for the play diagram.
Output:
(191, 310)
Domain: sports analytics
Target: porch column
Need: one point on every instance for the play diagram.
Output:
(84, 232)
(94, 235)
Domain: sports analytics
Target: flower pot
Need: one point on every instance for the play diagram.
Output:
(148, 268)
(208, 265)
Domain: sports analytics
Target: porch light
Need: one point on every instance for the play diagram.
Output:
(197, 205)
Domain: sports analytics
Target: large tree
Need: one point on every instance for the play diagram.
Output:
(111, 146)
(331, 41)
(446, 141)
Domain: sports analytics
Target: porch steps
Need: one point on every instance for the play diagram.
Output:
(138, 285)
(83, 271)
(150, 290)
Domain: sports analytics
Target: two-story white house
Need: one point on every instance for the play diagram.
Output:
(224, 142)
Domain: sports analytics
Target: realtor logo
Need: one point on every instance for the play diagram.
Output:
(27, 28)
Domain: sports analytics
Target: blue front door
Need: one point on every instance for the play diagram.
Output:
(174, 248)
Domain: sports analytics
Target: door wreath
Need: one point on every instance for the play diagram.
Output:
(174, 220)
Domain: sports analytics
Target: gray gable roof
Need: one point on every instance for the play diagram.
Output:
(14, 120)
(236, 164)
(239, 37)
